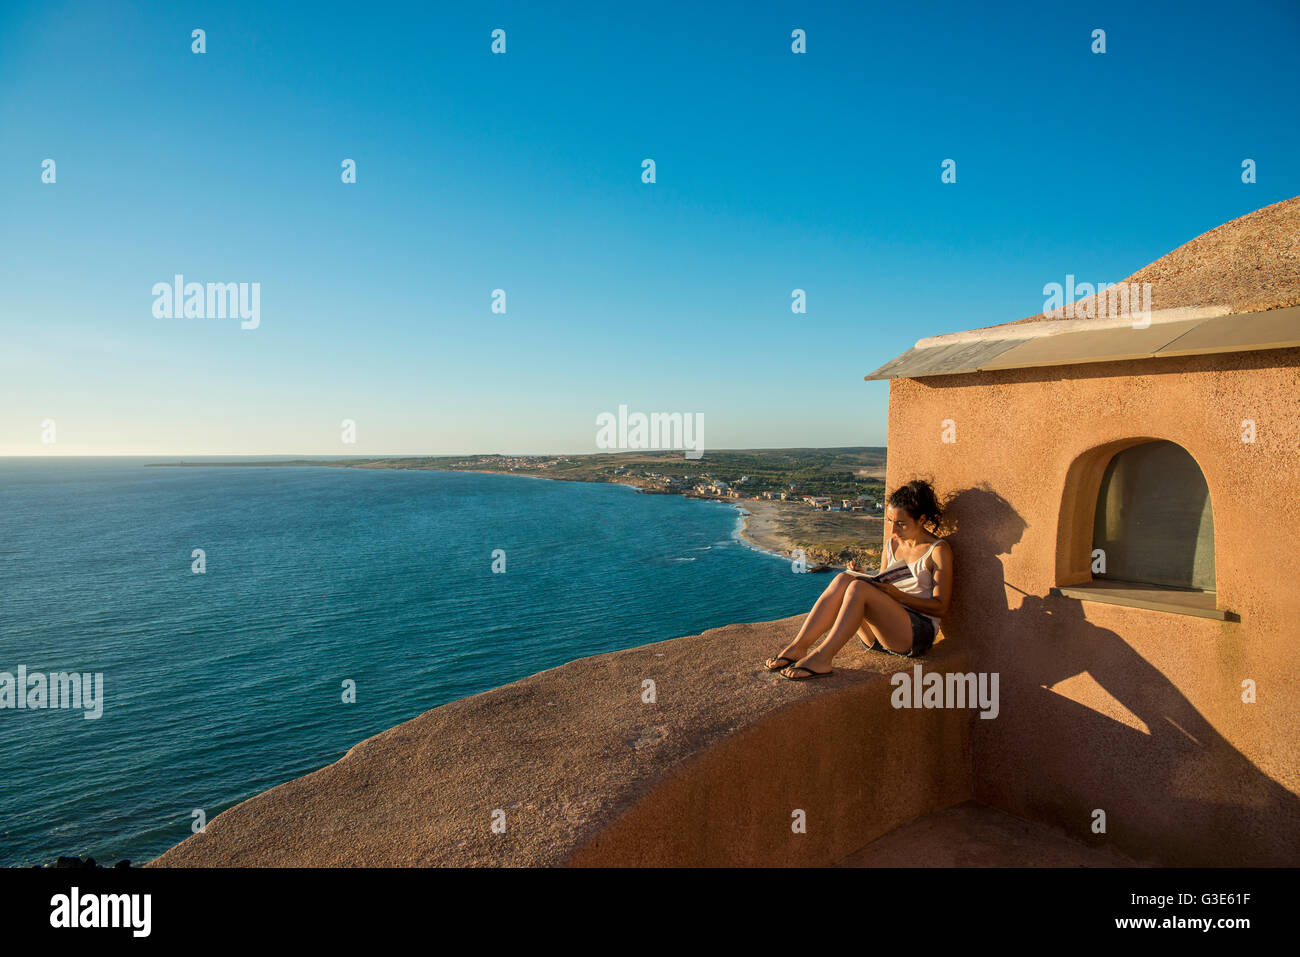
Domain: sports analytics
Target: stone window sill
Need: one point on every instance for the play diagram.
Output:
(1177, 601)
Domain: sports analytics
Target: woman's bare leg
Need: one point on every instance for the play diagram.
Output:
(823, 615)
(864, 606)
(888, 623)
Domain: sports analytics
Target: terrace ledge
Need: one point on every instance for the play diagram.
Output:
(583, 769)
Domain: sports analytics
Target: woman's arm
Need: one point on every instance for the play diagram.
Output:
(943, 563)
(939, 604)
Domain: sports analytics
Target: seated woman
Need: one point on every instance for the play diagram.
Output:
(902, 617)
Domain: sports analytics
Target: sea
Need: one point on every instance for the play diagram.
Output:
(252, 623)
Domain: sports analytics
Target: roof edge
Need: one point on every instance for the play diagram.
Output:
(1170, 332)
(1052, 327)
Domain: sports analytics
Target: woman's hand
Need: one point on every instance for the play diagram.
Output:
(856, 570)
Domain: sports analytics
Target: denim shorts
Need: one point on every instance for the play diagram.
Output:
(922, 636)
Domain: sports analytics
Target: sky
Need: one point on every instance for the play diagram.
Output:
(522, 171)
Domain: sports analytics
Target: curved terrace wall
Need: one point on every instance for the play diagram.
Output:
(587, 773)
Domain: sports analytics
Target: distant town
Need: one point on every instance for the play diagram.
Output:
(833, 480)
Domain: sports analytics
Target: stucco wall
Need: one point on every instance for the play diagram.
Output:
(1133, 712)
(852, 764)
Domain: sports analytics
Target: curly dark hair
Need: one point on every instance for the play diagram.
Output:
(918, 500)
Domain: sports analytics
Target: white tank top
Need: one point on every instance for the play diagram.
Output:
(921, 584)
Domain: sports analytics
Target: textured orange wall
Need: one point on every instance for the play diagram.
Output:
(853, 763)
(1137, 713)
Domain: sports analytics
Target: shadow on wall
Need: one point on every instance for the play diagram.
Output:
(1176, 794)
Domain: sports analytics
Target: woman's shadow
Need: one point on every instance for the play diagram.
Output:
(1173, 789)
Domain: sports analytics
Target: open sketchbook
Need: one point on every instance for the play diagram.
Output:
(891, 575)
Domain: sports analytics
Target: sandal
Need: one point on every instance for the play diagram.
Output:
(809, 675)
(788, 663)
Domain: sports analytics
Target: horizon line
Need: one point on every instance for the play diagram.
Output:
(409, 455)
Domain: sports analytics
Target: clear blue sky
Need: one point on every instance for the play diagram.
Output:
(522, 171)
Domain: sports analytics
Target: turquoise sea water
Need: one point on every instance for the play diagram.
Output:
(220, 685)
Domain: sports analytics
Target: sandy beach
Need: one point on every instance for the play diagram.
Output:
(830, 537)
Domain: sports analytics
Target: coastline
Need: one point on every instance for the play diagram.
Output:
(770, 526)
(761, 533)
(827, 538)
(745, 536)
